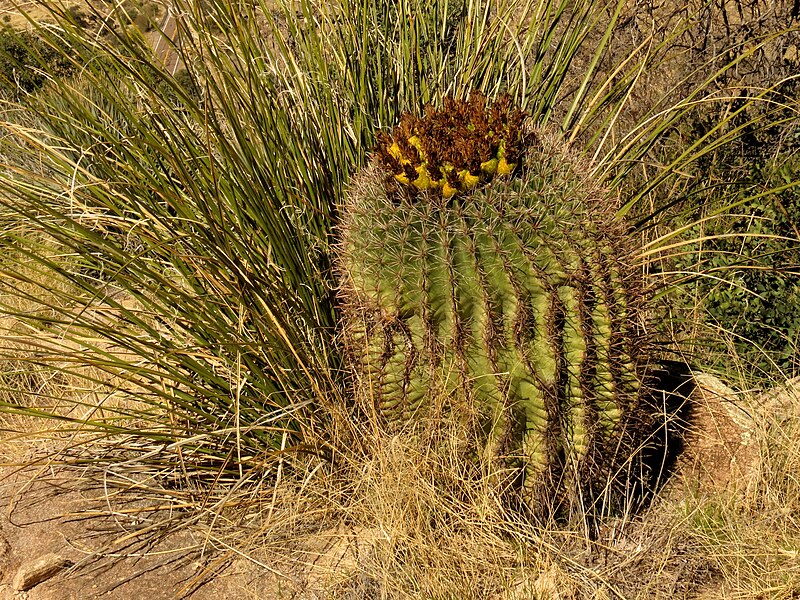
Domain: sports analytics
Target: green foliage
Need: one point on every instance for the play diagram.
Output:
(515, 303)
(750, 256)
(78, 15)
(27, 62)
(188, 83)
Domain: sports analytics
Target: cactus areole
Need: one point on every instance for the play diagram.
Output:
(484, 275)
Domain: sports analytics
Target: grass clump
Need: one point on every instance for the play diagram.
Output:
(755, 245)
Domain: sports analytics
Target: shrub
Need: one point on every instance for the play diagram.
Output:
(749, 257)
(27, 62)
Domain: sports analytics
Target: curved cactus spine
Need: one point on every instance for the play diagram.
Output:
(514, 299)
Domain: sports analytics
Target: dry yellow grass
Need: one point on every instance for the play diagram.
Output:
(397, 520)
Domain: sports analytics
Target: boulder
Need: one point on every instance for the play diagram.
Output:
(720, 451)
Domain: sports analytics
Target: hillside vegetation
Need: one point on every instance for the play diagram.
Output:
(198, 316)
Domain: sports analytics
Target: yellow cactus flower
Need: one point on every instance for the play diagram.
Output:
(468, 179)
(505, 168)
(416, 143)
(423, 180)
(489, 167)
(394, 151)
(448, 191)
(457, 138)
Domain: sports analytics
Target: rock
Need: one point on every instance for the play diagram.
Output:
(791, 55)
(781, 401)
(35, 572)
(720, 451)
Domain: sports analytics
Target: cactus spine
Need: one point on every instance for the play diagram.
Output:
(513, 298)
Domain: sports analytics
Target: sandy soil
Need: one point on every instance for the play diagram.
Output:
(41, 518)
(12, 15)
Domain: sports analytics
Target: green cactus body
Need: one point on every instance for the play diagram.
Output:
(514, 299)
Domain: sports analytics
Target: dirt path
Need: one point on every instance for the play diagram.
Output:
(44, 521)
(163, 39)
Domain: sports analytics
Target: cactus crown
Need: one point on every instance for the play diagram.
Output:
(458, 148)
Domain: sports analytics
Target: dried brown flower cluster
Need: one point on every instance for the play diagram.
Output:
(454, 149)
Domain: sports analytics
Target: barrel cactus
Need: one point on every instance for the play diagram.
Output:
(484, 273)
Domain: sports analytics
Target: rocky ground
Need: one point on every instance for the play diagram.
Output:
(51, 549)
